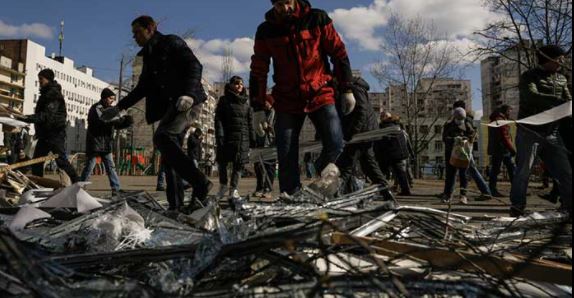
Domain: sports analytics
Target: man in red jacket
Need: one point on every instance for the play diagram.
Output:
(500, 148)
(300, 40)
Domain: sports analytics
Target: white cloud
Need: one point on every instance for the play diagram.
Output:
(458, 18)
(211, 54)
(26, 30)
(478, 114)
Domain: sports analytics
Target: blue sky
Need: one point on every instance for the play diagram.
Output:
(97, 32)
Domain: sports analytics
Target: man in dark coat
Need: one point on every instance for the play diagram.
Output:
(99, 139)
(300, 40)
(393, 151)
(171, 83)
(234, 134)
(194, 145)
(500, 148)
(49, 121)
(362, 119)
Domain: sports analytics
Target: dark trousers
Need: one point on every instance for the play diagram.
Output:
(44, 147)
(497, 161)
(399, 170)
(265, 173)
(236, 171)
(365, 155)
(451, 178)
(167, 140)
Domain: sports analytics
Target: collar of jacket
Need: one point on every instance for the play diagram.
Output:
(50, 86)
(242, 98)
(148, 47)
(302, 9)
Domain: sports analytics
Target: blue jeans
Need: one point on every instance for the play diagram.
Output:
(161, 176)
(109, 165)
(554, 155)
(478, 179)
(496, 165)
(288, 129)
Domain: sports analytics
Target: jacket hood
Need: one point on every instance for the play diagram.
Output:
(497, 115)
(303, 8)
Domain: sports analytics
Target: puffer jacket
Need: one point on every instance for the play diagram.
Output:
(451, 130)
(234, 132)
(300, 48)
(170, 70)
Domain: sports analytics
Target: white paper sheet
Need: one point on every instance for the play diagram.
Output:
(552, 115)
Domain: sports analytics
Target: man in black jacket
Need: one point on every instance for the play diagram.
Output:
(362, 119)
(49, 121)
(99, 139)
(194, 149)
(171, 83)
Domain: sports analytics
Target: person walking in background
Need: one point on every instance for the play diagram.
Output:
(500, 148)
(458, 126)
(234, 135)
(100, 140)
(49, 121)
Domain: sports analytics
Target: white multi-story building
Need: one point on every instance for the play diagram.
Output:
(79, 87)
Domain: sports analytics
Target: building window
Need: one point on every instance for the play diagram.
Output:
(438, 146)
(438, 129)
(424, 129)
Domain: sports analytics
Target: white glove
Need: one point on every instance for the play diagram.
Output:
(348, 103)
(184, 103)
(259, 120)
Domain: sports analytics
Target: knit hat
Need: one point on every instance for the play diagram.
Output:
(47, 74)
(459, 114)
(107, 93)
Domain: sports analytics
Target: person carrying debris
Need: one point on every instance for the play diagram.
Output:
(362, 119)
(234, 134)
(300, 39)
(49, 121)
(458, 126)
(392, 153)
(100, 140)
(171, 83)
(264, 138)
(500, 148)
(541, 89)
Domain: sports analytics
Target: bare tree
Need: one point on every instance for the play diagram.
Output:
(524, 25)
(227, 67)
(415, 56)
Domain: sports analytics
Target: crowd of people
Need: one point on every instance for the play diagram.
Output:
(300, 41)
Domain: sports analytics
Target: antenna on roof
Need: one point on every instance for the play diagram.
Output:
(61, 36)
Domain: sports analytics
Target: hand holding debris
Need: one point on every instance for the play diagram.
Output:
(110, 114)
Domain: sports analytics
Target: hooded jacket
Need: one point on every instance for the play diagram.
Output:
(99, 138)
(300, 47)
(499, 139)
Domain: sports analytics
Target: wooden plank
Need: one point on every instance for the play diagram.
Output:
(537, 270)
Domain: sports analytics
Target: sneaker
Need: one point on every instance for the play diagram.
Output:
(446, 199)
(387, 195)
(464, 200)
(234, 194)
(222, 190)
(160, 188)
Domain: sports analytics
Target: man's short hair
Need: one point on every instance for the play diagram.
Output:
(459, 104)
(549, 52)
(144, 21)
